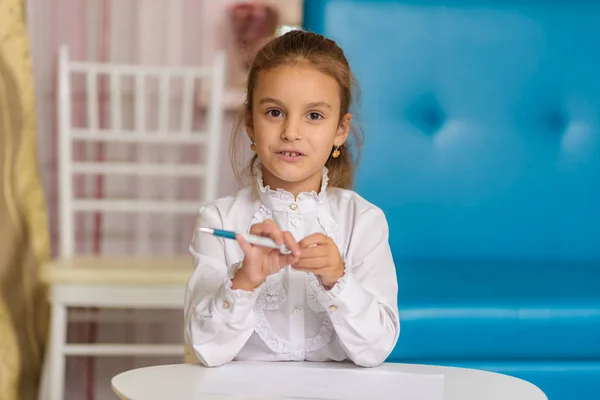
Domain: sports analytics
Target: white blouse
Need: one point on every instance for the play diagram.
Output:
(291, 316)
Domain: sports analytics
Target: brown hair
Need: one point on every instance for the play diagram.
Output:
(301, 47)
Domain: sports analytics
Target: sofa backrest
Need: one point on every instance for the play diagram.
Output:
(482, 122)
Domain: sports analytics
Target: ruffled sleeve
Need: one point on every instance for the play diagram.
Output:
(218, 319)
(363, 303)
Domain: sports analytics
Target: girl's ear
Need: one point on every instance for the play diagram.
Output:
(343, 130)
(248, 124)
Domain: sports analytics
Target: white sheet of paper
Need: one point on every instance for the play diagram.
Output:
(299, 383)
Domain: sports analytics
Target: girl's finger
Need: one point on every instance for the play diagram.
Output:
(314, 252)
(317, 272)
(291, 243)
(314, 240)
(290, 259)
(311, 264)
(246, 247)
(268, 229)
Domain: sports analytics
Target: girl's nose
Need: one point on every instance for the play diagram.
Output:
(290, 131)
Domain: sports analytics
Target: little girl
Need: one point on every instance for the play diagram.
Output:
(335, 296)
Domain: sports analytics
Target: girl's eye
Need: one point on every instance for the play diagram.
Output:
(274, 113)
(314, 116)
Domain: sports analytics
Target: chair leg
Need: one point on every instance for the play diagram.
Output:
(44, 386)
(56, 361)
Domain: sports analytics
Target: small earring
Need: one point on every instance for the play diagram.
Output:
(336, 152)
(252, 146)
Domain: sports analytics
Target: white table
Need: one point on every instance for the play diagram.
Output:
(185, 381)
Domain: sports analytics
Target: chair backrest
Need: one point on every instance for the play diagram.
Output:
(118, 113)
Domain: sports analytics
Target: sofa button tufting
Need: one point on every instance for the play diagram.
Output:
(556, 121)
(426, 114)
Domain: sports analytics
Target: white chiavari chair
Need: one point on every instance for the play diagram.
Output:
(129, 281)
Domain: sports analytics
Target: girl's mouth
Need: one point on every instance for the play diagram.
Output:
(290, 156)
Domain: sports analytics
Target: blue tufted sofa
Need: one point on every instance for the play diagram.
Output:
(482, 123)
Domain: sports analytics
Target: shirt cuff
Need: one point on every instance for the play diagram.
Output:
(233, 303)
(344, 298)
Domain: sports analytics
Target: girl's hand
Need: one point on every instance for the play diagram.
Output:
(320, 256)
(260, 262)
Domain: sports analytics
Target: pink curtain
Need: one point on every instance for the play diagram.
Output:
(157, 32)
(154, 32)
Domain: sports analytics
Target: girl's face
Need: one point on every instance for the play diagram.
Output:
(295, 124)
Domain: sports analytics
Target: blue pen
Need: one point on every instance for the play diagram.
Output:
(252, 239)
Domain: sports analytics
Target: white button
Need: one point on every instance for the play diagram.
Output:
(296, 312)
(294, 222)
(298, 353)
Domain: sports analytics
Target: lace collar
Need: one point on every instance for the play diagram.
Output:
(280, 199)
